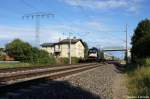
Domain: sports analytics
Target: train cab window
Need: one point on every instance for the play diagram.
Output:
(92, 51)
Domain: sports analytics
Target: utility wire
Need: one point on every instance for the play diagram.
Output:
(87, 16)
(29, 5)
(37, 16)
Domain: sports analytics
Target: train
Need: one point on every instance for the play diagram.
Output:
(94, 54)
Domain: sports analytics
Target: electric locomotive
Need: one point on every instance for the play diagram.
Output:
(94, 55)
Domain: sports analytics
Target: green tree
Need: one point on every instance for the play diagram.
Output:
(19, 50)
(2, 56)
(86, 50)
(141, 40)
(24, 52)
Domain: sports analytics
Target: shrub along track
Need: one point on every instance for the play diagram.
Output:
(23, 78)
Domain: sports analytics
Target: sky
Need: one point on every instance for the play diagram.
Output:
(100, 23)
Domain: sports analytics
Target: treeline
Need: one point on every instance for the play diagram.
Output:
(139, 71)
(24, 52)
(141, 43)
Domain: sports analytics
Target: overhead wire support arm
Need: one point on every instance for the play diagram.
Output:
(37, 16)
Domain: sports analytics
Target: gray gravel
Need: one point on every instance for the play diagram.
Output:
(98, 81)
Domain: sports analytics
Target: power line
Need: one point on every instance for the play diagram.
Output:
(37, 16)
(82, 9)
(44, 3)
(29, 5)
(87, 16)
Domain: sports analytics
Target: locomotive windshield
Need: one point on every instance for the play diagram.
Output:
(92, 51)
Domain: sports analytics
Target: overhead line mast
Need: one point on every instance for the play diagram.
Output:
(126, 43)
(37, 16)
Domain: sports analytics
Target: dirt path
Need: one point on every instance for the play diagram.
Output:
(119, 86)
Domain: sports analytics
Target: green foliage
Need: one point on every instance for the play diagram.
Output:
(62, 60)
(141, 40)
(24, 52)
(19, 50)
(139, 75)
(101, 54)
(147, 62)
(45, 58)
(15, 65)
(1, 51)
(86, 50)
(41, 57)
(139, 82)
(74, 60)
(143, 62)
(2, 57)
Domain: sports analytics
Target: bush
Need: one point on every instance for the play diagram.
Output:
(24, 52)
(45, 58)
(19, 50)
(74, 60)
(143, 62)
(40, 57)
(139, 82)
(62, 61)
(147, 61)
(2, 57)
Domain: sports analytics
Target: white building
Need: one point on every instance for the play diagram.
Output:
(61, 48)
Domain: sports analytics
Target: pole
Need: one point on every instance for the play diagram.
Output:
(37, 31)
(69, 48)
(126, 43)
(37, 16)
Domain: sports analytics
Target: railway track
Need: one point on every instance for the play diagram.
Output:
(10, 81)
(10, 71)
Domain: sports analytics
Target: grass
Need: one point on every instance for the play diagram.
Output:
(21, 64)
(139, 81)
(18, 65)
(14, 65)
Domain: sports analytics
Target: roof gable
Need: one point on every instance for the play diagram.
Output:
(47, 44)
(64, 41)
(68, 40)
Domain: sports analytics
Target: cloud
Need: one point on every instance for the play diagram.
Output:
(97, 25)
(128, 5)
(86, 30)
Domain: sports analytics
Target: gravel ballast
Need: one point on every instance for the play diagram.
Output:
(98, 83)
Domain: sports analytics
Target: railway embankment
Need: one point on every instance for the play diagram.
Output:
(105, 81)
(96, 83)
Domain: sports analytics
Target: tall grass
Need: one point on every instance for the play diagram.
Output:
(139, 81)
(15, 65)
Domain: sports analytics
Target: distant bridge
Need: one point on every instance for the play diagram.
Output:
(106, 49)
